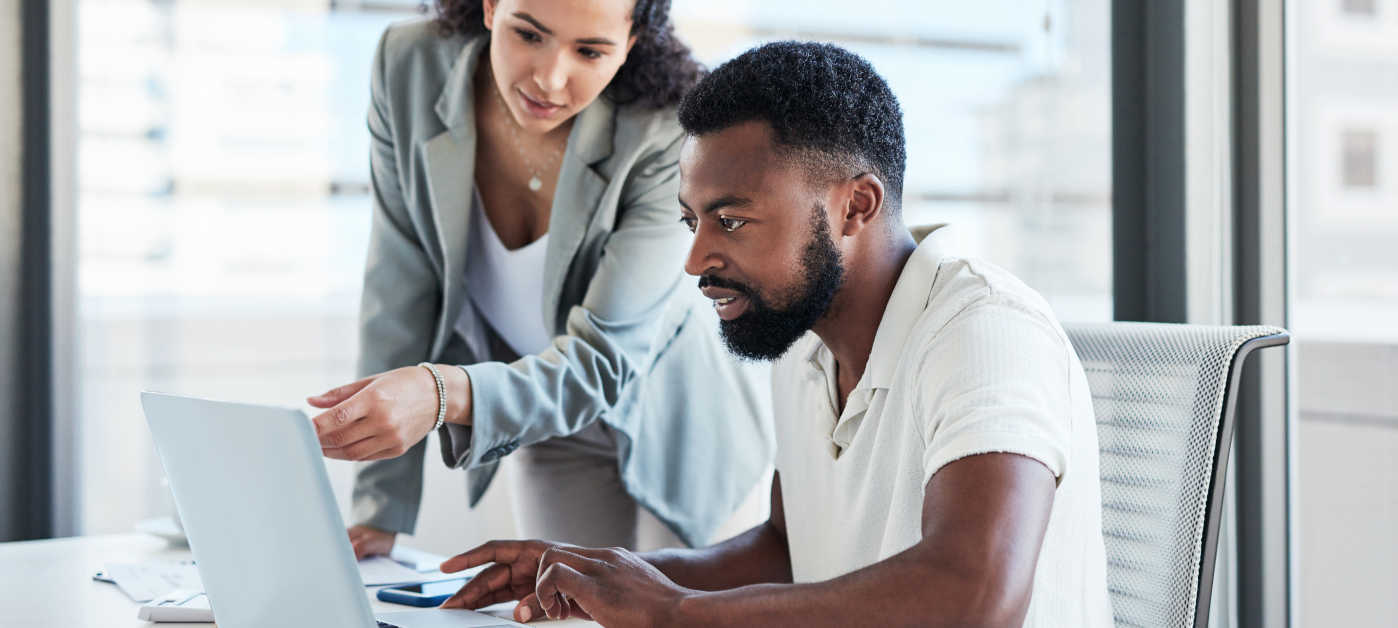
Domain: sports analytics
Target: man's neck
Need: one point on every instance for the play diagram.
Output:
(849, 327)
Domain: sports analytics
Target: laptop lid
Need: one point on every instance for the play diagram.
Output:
(253, 495)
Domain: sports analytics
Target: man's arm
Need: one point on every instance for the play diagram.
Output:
(984, 519)
(756, 556)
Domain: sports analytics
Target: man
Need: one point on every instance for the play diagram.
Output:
(937, 454)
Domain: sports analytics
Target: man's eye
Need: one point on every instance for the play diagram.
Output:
(689, 223)
(731, 224)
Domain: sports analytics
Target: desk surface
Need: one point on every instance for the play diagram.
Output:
(49, 583)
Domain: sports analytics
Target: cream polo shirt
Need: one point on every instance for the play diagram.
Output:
(966, 360)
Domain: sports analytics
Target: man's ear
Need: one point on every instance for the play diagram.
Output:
(488, 13)
(864, 204)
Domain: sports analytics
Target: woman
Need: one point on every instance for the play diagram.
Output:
(524, 173)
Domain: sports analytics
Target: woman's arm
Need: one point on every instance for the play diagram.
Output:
(610, 339)
(397, 311)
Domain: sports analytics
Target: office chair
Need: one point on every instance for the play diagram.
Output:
(1164, 397)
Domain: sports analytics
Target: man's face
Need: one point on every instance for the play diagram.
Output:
(762, 247)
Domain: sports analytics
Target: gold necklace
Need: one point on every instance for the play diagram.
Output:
(536, 181)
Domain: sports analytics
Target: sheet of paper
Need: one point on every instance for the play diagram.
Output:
(414, 558)
(380, 570)
(143, 582)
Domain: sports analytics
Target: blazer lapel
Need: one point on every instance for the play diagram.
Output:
(450, 159)
(575, 201)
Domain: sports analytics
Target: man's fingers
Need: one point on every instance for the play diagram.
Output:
(492, 552)
(560, 583)
(339, 393)
(528, 609)
(493, 578)
(571, 556)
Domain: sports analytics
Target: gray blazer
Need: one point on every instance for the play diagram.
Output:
(636, 345)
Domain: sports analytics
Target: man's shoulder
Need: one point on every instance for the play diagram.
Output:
(968, 287)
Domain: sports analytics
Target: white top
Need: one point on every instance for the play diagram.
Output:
(505, 286)
(966, 360)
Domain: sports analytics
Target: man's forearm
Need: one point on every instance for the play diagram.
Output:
(905, 590)
(756, 556)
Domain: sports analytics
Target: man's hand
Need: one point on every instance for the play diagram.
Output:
(384, 415)
(368, 541)
(613, 586)
(511, 577)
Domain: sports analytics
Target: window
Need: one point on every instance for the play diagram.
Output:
(1342, 114)
(1007, 109)
(223, 208)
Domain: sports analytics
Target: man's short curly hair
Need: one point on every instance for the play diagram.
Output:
(825, 105)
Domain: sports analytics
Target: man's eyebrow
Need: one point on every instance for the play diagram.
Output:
(593, 41)
(727, 200)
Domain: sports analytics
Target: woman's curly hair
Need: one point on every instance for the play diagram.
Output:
(658, 72)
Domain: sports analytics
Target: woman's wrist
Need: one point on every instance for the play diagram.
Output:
(458, 386)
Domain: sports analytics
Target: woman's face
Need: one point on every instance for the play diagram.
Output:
(552, 58)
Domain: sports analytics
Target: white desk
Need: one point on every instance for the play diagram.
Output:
(49, 584)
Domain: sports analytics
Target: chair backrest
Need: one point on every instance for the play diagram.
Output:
(1164, 397)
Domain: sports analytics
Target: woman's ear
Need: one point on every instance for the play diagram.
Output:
(488, 13)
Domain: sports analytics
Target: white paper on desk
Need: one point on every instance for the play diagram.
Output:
(414, 558)
(380, 570)
(143, 582)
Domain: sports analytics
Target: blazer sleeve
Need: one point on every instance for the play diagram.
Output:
(611, 338)
(398, 309)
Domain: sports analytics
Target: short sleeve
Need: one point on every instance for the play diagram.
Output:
(996, 379)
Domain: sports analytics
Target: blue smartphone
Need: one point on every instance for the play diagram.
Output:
(425, 594)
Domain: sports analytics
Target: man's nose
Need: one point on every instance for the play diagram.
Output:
(702, 258)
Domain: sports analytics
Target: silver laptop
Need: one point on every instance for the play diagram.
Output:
(252, 492)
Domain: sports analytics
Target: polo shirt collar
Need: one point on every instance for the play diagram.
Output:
(909, 299)
(905, 306)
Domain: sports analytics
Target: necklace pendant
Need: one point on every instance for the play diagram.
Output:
(535, 184)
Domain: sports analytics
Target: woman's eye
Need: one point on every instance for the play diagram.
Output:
(731, 224)
(689, 222)
(528, 35)
(589, 53)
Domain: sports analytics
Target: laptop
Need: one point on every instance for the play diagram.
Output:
(251, 490)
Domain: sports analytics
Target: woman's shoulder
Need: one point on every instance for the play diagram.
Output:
(416, 48)
(647, 130)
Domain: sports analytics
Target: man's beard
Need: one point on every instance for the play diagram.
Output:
(765, 332)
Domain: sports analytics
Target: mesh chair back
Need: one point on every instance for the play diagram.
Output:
(1162, 396)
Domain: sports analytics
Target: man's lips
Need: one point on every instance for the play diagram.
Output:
(729, 304)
